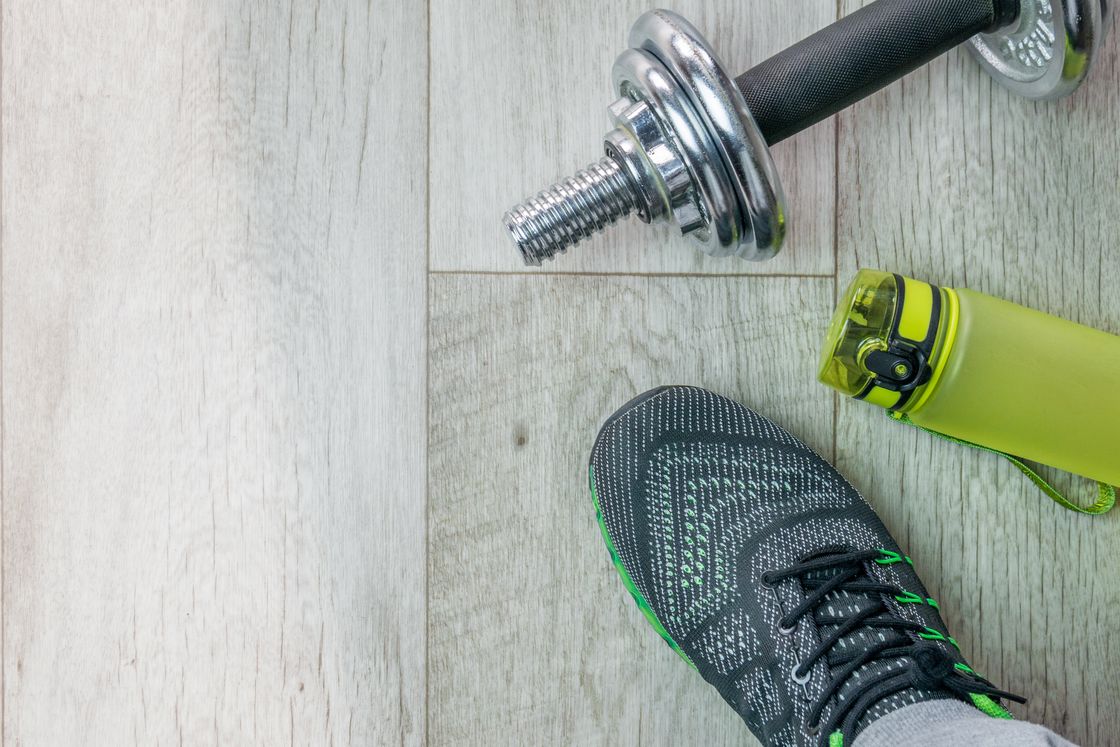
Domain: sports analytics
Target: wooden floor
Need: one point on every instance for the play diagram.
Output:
(293, 447)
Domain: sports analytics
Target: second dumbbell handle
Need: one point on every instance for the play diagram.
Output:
(860, 54)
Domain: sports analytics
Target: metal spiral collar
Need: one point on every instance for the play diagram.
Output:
(685, 149)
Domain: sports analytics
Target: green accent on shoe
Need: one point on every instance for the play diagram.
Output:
(984, 703)
(835, 739)
(890, 558)
(934, 635)
(909, 597)
(990, 707)
(643, 605)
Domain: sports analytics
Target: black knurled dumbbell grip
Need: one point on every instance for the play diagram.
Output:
(860, 54)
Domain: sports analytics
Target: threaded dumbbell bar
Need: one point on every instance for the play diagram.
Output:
(691, 145)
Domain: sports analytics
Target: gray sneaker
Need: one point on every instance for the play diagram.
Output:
(768, 573)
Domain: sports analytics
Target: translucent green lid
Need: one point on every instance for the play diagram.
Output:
(863, 322)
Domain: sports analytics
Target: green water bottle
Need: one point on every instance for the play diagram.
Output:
(981, 370)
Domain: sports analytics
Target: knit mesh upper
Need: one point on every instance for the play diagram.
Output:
(701, 496)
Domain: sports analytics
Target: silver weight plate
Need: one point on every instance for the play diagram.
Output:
(736, 141)
(1049, 51)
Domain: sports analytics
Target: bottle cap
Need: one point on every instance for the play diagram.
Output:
(882, 344)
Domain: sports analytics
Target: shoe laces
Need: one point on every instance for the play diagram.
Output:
(923, 659)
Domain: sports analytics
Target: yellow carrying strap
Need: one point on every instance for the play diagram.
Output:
(1107, 493)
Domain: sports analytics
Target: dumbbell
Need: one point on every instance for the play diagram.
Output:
(692, 146)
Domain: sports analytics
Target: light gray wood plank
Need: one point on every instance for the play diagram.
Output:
(533, 639)
(948, 178)
(519, 97)
(213, 379)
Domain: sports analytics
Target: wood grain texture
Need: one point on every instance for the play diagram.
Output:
(949, 178)
(213, 356)
(533, 639)
(215, 350)
(519, 97)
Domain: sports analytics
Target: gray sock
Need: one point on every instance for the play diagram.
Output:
(948, 722)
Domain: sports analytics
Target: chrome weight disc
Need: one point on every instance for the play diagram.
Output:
(741, 198)
(1049, 51)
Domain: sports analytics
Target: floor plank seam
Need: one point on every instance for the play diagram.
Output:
(773, 275)
(427, 388)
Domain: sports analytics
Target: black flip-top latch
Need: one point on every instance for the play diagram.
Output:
(900, 368)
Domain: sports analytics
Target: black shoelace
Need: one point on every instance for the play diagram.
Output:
(924, 664)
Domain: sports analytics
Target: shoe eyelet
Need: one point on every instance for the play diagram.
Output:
(782, 629)
(801, 680)
(813, 731)
(767, 578)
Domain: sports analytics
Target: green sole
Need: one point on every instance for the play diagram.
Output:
(639, 600)
(982, 702)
